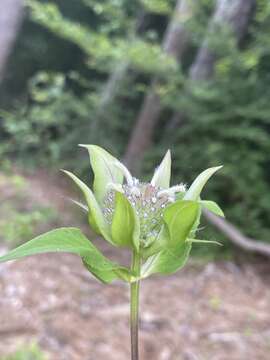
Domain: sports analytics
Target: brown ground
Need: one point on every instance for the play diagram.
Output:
(215, 311)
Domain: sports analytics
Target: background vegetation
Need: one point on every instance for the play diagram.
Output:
(55, 94)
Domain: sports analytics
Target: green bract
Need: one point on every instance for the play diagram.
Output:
(156, 222)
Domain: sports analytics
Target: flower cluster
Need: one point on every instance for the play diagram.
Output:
(147, 199)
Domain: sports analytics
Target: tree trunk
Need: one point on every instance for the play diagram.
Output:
(235, 14)
(116, 78)
(174, 44)
(10, 20)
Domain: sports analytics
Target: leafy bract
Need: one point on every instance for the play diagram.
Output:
(162, 175)
(180, 218)
(161, 241)
(68, 240)
(95, 215)
(196, 187)
(167, 261)
(213, 207)
(107, 276)
(199, 241)
(105, 171)
(125, 223)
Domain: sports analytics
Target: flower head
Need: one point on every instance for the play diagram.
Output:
(147, 199)
(147, 217)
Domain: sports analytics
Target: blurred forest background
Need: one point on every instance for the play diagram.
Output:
(138, 77)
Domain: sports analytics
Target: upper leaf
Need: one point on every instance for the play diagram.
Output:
(162, 175)
(105, 171)
(180, 218)
(196, 187)
(125, 223)
(95, 215)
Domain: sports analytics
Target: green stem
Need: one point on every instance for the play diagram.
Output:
(134, 308)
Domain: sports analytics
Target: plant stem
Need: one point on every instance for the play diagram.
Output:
(134, 308)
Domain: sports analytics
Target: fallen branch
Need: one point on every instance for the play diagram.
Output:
(235, 235)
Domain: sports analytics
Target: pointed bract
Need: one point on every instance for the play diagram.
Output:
(196, 187)
(180, 218)
(105, 171)
(167, 261)
(162, 175)
(125, 223)
(213, 207)
(95, 215)
(198, 241)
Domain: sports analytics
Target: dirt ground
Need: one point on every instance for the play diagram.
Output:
(214, 311)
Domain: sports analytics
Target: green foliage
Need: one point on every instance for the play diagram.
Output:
(226, 118)
(157, 6)
(19, 220)
(27, 352)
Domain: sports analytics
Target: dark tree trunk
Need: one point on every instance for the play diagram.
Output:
(10, 20)
(174, 44)
(235, 14)
(117, 77)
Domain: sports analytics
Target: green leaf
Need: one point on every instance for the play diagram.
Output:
(167, 261)
(69, 240)
(107, 276)
(213, 207)
(95, 215)
(196, 187)
(162, 175)
(125, 223)
(160, 242)
(196, 223)
(180, 218)
(198, 241)
(105, 171)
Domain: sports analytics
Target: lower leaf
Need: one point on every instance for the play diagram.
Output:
(70, 240)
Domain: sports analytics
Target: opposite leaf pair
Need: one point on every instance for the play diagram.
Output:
(154, 220)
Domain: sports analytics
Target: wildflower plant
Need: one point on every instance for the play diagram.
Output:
(158, 223)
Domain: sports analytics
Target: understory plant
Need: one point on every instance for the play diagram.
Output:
(156, 222)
